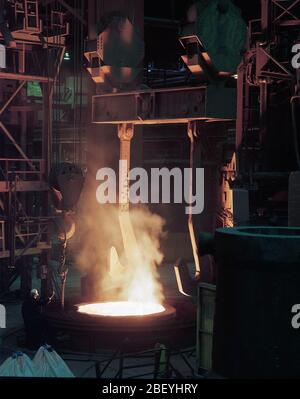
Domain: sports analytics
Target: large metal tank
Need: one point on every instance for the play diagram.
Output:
(257, 285)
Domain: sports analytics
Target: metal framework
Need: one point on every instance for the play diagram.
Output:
(159, 107)
(261, 69)
(22, 231)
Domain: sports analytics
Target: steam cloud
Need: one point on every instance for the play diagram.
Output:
(117, 274)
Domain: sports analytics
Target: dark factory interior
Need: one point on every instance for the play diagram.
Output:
(150, 189)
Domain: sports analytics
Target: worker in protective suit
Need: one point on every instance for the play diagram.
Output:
(36, 327)
(4, 29)
(222, 31)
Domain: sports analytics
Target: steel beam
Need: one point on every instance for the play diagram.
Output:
(18, 148)
(15, 93)
(26, 38)
(27, 78)
(31, 251)
(24, 186)
(165, 106)
(192, 134)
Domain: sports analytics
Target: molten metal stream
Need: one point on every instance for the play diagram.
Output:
(117, 309)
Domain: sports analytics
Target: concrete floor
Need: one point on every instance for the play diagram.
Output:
(83, 365)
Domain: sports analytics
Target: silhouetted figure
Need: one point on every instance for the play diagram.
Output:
(36, 326)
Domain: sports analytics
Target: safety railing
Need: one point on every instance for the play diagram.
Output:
(16, 168)
(28, 234)
(158, 363)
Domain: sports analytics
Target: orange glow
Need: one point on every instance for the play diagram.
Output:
(125, 248)
(137, 280)
(117, 309)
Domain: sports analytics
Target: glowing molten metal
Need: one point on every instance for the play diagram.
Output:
(117, 309)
